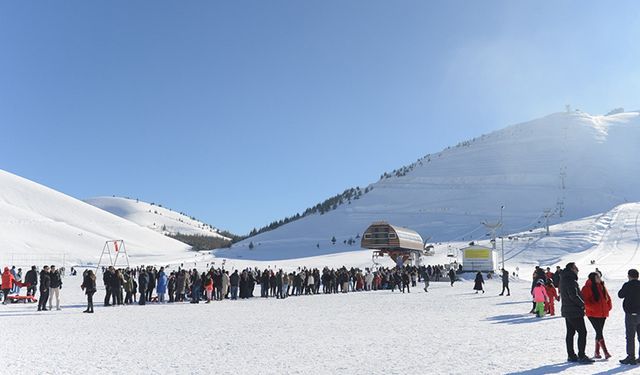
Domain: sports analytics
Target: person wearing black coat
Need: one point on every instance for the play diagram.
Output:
(630, 292)
(45, 284)
(89, 287)
(31, 278)
(234, 283)
(477, 286)
(152, 283)
(452, 276)
(107, 279)
(505, 282)
(143, 282)
(573, 313)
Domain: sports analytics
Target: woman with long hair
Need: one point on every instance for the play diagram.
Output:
(597, 306)
(89, 287)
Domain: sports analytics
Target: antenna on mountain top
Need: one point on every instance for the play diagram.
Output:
(568, 108)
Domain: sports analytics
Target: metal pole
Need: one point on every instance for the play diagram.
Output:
(502, 235)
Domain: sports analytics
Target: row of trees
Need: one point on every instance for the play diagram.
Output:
(200, 242)
(346, 197)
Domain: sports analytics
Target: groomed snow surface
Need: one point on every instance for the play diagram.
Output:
(446, 331)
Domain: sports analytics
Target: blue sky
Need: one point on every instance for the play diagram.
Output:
(243, 112)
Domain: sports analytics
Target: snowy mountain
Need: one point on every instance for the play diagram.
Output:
(155, 217)
(571, 165)
(39, 225)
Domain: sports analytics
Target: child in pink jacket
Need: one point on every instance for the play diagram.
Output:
(540, 297)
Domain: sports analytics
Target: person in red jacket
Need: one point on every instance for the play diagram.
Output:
(553, 296)
(597, 304)
(7, 283)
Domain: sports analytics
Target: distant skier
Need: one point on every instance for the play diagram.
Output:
(478, 283)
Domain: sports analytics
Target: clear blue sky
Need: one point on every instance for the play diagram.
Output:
(242, 112)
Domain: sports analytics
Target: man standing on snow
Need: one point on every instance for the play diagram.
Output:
(56, 285)
(45, 284)
(31, 278)
(573, 313)
(505, 282)
(452, 276)
(143, 281)
(630, 292)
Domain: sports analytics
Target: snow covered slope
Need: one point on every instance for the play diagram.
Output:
(157, 218)
(38, 223)
(570, 163)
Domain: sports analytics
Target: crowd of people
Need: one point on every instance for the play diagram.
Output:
(137, 285)
(143, 285)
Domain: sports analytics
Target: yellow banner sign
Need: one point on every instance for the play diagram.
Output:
(477, 254)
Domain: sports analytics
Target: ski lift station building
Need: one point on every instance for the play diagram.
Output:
(400, 244)
(479, 258)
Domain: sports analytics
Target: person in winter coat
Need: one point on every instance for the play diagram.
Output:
(89, 287)
(478, 283)
(425, 278)
(234, 281)
(128, 288)
(225, 284)
(452, 276)
(107, 279)
(505, 282)
(208, 287)
(406, 279)
(550, 307)
(56, 285)
(171, 286)
(161, 288)
(143, 284)
(151, 273)
(8, 280)
(181, 279)
(540, 297)
(573, 312)
(630, 292)
(597, 303)
(45, 284)
(31, 279)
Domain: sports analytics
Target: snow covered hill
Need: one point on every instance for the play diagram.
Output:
(38, 224)
(573, 164)
(155, 217)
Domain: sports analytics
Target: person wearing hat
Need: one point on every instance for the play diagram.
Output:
(540, 297)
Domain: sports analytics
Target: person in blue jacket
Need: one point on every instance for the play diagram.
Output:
(161, 288)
